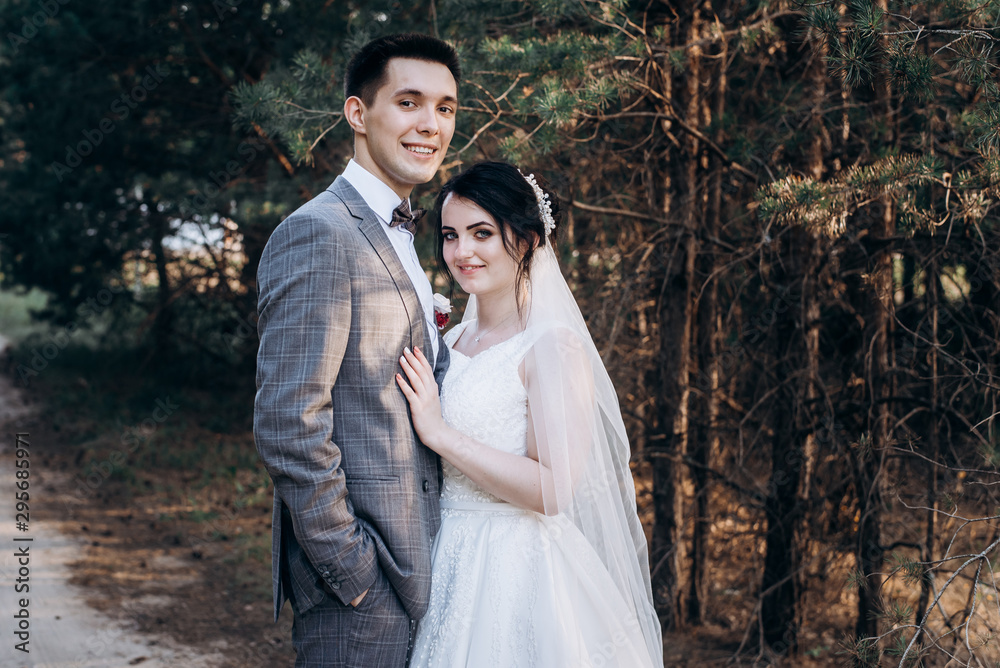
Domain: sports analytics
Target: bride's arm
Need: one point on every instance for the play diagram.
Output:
(513, 478)
(559, 439)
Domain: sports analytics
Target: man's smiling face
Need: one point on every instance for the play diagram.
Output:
(403, 136)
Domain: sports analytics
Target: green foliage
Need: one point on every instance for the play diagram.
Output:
(862, 652)
(898, 646)
(296, 105)
(985, 126)
(911, 72)
(868, 17)
(855, 58)
(124, 141)
(914, 573)
(990, 452)
(825, 206)
(897, 613)
(258, 103)
(975, 64)
(555, 10)
(676, 60)
(554, 104)
(856, 580)
(824, 18)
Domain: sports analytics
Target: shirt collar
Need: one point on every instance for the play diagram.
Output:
(379, 197)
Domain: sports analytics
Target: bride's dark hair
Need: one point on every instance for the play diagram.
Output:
(500, 190)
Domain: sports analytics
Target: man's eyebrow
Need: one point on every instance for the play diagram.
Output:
(414, 92)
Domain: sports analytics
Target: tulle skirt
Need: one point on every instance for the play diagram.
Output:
(515, 589)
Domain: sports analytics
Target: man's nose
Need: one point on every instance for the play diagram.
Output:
(427, 123)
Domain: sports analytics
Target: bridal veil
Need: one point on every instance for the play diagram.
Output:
(577, 429)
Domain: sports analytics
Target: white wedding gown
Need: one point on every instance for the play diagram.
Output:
(512, 588)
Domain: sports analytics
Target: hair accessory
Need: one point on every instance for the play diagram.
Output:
(544, 208)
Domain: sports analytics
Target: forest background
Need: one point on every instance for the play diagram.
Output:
(781, 224)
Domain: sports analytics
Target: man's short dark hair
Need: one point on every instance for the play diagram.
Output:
(366, 71)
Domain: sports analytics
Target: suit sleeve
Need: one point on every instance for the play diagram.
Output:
(304, 318)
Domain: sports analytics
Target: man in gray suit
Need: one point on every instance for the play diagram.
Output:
(341, 294)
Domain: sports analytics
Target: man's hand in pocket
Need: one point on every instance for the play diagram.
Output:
(355, 602)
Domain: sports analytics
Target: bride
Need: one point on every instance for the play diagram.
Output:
(540, 560)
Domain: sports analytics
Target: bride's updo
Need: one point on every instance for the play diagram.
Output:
(501, 190)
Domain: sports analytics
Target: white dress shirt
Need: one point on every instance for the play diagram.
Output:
(382, 199)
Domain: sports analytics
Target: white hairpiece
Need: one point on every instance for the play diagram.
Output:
(544, 207)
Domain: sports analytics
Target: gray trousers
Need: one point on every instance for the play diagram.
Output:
(377, 633)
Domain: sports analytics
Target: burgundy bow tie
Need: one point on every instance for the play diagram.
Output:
(403, 217)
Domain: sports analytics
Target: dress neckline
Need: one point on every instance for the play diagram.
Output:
(464, 325)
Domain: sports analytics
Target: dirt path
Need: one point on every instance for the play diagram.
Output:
(63, 631)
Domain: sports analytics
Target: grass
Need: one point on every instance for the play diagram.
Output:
(250, 549)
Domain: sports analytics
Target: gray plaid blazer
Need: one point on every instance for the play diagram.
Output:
(354, 489)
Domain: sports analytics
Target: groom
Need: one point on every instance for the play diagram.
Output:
(341, 294)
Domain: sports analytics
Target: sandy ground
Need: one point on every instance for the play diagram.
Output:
(63, 631)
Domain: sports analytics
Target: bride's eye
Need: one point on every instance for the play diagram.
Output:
(483, 234)
(449, 236)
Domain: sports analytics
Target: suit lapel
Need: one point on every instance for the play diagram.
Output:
(372, 228)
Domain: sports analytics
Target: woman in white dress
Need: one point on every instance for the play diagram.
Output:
(540, 561)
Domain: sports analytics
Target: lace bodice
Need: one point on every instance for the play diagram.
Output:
(482, 397)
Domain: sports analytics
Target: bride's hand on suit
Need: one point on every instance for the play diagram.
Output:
(422, 393)
(514, 478)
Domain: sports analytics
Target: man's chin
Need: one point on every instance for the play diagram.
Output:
(426, 175)
(423, 173)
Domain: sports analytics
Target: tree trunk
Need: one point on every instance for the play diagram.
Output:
(706, 436)
(879, 383)
(675, 313)
(871, 467)
(794, 428)
(163, 321)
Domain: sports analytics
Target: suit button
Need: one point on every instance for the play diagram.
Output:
(326, 575)
(335, 585)
(426, 486)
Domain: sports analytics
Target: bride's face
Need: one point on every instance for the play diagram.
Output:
(474, 250)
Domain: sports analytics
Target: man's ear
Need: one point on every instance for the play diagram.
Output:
(354, 112)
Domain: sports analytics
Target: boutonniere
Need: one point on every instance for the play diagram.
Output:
(442, 310)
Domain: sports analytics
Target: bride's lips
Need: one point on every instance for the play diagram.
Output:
(469, 269)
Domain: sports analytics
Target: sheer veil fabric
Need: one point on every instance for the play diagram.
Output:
(577, 428)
